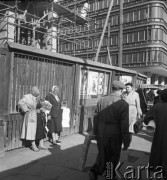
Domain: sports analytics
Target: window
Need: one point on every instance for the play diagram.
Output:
(136, 15)
(91, 7)
(154, 12)
(130, 16)
(129, 37)
(141, 35)
(114, 59)
(154, 34)
(126, 1)
(115, 20)
(143, 14)
(114, 40)
(141, 57)
(124, 59)
(135, 34)
(135, 57)
(115, 3)
(129, 58)
(159, 56)
(125, 18)
(124, 38)
(100, 23)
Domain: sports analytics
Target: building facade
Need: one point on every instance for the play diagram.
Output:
(144, 35)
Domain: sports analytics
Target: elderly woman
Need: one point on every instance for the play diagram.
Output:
(55, 125)
(158, 113)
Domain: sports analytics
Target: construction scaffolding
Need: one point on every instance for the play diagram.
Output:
(44, 24)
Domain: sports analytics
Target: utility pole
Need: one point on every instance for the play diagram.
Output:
(104, 29)
(120, 34)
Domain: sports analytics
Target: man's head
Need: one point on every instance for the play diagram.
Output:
(118, 86)
(129, 87)
(35, 91)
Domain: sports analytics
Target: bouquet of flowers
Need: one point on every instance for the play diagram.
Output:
(46, 105)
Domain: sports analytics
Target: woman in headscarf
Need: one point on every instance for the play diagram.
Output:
(158, 113)
(55, 125)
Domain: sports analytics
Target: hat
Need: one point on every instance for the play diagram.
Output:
(118, 84)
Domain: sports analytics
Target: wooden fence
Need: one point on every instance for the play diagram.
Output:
(23, 67)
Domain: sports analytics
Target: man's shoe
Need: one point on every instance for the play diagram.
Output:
(92, 175)
(54, 143)
(58, 141)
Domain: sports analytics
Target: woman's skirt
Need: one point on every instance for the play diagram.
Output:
(41, 122)
(55, 125)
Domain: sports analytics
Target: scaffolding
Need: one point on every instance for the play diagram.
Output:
(43, 24)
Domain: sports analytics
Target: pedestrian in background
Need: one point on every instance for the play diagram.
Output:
(28, 105)
(55, 123)
(158, 113)
(111, 127)
(157, 98)
(132, 98)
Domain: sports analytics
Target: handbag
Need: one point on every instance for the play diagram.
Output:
(138, 125)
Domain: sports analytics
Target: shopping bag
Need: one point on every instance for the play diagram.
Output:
(138, 125)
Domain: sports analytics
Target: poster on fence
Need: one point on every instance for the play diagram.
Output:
(126, 79)
(92, 84)
(100, 83)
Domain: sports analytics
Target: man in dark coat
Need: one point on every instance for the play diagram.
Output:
(158, 113)
(111, 127)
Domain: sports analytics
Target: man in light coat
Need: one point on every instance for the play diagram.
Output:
(28, 105)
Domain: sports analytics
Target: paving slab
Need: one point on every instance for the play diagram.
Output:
(64, 162)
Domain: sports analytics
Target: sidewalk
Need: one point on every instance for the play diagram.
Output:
(64, 163)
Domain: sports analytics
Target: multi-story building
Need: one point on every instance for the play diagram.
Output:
(144, 35)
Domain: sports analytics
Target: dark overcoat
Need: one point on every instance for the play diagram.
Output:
(158, 155)
(111, 126)
(55, 125)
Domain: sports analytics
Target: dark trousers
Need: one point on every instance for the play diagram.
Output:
(108, 156)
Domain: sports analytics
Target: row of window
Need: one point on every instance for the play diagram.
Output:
(135, 15)
(102, 4)
(143, 35)
(151, 56)
(138, 57)
(155, 34)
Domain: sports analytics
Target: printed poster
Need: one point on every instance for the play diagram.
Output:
(92, 83)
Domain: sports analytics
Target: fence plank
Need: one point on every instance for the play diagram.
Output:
(9, 134)
(13, 132)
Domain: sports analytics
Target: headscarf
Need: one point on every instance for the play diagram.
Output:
(56, 96)
(163, 95)
(54, 88)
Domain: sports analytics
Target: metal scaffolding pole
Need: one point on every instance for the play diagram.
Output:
(104, 29)
(120, 35)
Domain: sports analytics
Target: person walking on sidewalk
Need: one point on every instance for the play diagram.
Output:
(28, 105)
(55, 123)
(158, 113)
(111, 128)
(132, 98)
